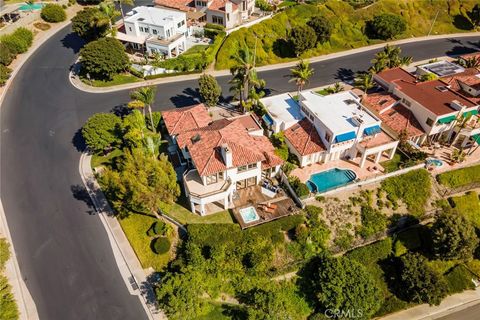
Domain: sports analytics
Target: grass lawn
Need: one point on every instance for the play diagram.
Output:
(323, 92)
(98, 160)
(198, 48)
(221, 312)
(117, 80)
(135, 227)
(184, 216)
(460, 177)
(394, 164)
(469, 206)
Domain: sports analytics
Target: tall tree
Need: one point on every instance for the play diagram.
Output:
(301, 74)
(364, 81)
(474, 16)
(386, 26)
(90, 24)
(302, 38)
(110, 13)
(322, 28)
(146, 95)
(453, 237)
(389, 57)
(101, 131)
(210, 90)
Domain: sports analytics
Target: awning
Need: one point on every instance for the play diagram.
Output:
(345, 137)
(470, 113)
(128, 38)
(476, 138)
(447, 119)
(372, 130)
(268, 120)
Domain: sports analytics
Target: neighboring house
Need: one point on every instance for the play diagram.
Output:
(439, 68)
(228, 13)
(222, 156)
(437, 107)
(156, 30)
(332, 127)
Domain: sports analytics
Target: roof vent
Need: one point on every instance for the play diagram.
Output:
(349, 101)
(141, 19)
(382, 102)
(442, 88)
(195, 138)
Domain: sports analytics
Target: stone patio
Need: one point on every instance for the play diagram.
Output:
(443, 153)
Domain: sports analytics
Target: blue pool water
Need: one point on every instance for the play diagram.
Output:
(249, 214)
(436, 162)
(35, 6)
(330, 179)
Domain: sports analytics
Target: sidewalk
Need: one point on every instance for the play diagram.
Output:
(449, 305)
(130, 268)
(76, 82)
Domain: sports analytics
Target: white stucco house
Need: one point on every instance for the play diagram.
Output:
(222, 156)
(155, 30)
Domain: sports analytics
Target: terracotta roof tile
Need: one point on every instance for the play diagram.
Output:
(471, 55)
(304, 138)
(470, 77)
(182, 5)
(219, 5)
(184, 119)
(377, 140)
(393, 114)
(204, 145)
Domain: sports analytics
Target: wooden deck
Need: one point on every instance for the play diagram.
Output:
(253, 197)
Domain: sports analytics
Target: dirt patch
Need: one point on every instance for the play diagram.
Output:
(42, 26)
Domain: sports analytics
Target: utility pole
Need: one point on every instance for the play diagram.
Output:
(435, 19)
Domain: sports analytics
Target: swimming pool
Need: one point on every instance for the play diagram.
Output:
(330, 179)
(435, 162)
(27, 7)
(249, 214)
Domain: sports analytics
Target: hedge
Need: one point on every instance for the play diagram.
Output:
(460, 177)
(19, 41)
(4, 74)
(6, 56)
(161, 245)
(53, 13)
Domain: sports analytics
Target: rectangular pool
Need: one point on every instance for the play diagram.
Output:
(249, 214)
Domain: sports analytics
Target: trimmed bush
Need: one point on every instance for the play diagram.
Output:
(53, 13)
(104, 58)
(6, 56)
(4, 74)
(19, 41)
(158, 228)
(299, 187)
(161, 245)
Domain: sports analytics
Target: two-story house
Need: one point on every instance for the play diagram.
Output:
(336, 126)
(156, 30)
(224, 156)
(437, 108)
(228, 13)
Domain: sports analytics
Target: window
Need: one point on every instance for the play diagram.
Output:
(241, 169)
(154, 31)
(244, 5)
(168, 33)
(252, 166)
(179, 24)
(212, 179)
(429, 122)
(328, 137)
(406, 102)
(217, 20)
(311, 117)
(228, 16)
(146, 29)
(129, 28)
(141, 29)
(220, 175)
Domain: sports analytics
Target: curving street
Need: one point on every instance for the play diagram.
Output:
(62, 248)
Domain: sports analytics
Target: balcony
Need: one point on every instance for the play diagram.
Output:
(195, 187)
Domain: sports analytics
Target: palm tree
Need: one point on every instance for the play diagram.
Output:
(147, 96)
(301, 74)
(389, 58)
(364, 81)
(457, 156)
(337, 87)
(108, 9)
(244, 75)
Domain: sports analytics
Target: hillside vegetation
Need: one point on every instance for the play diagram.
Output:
(348, 27)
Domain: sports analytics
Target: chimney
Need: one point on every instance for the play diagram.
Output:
(227, 155)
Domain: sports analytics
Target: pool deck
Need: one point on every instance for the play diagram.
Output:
(253, 197)
(362, 173)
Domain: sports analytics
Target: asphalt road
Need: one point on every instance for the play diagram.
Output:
(62, 248)
(472, 313)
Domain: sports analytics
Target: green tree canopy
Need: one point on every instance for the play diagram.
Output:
(104, 58)
(344, 284)
(210, 90)
(418, 282)
(386, 26)
(5, 73)
(101, 131)
(301, 74)
(142, 183)
(322, 28)
(453, 237)
(302, 38)
(90, 24)
(53, 13)
(6, 56)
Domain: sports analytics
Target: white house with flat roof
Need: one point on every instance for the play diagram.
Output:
(156, 30)
(321, 128)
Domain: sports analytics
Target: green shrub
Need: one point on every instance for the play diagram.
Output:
(53, 13)
(4, 74)
(413, 188)
(299, 187)
(373, 222)
(460, 177)
(468, 206)
(19, 41)
(428, 77)
(161, 245)
(158, 228)
(370, 255)
(6, 56)
(386, 26)
(411, 238)
(263, 5)
(459, 279)
(104, 58)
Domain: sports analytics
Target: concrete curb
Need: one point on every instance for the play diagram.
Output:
(77, 83)
(126, 259)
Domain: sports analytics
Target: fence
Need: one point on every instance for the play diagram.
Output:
(446, 192)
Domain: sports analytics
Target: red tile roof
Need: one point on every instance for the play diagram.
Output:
(393, 114)
(470, 77)
(219, 5)
(184, 119)
(182, 5)
(425, 93)
(249, 121)
(204, 145)
(304, 138)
